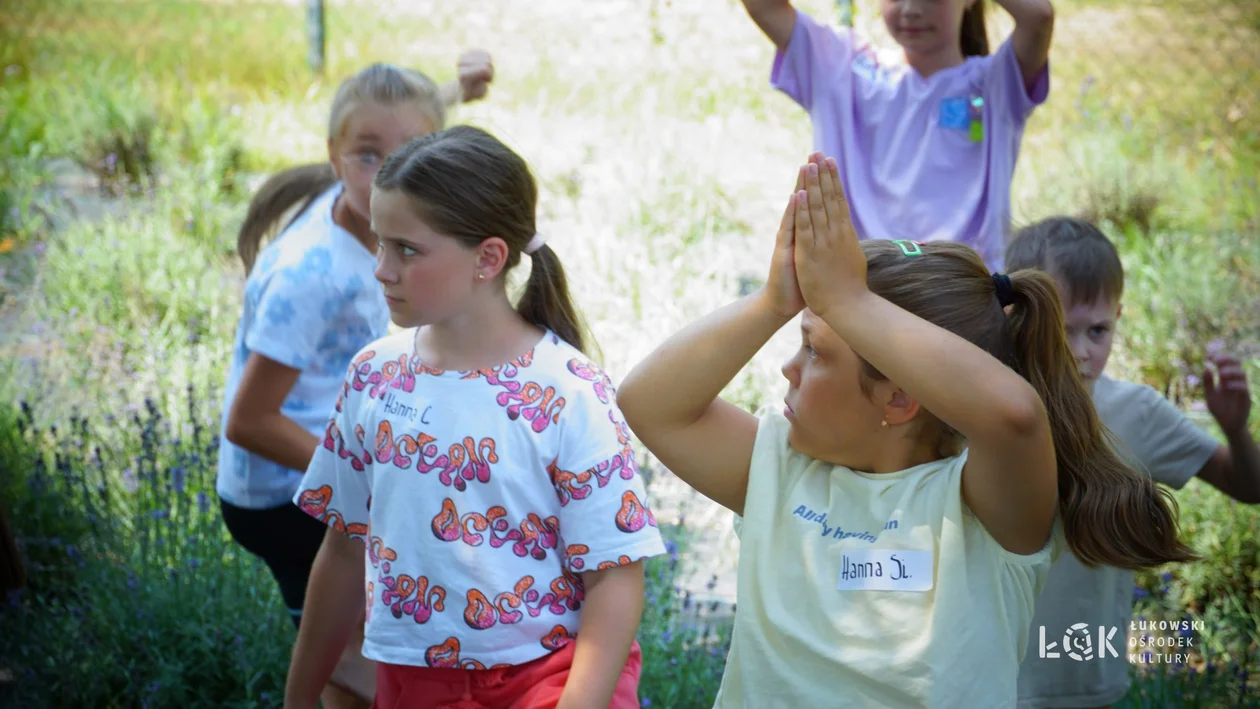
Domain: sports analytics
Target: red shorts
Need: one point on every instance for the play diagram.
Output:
(534, 685)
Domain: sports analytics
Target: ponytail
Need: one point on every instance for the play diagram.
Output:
(546, 301)
(276, 197)
(973, 34)
(1111, 514)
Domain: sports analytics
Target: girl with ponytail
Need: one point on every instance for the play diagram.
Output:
(476, 476)
(935, 452)
(310, 303)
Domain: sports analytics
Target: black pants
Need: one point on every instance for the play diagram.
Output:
(286, 539)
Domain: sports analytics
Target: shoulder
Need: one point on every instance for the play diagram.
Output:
(1115, 398)
(576, 375)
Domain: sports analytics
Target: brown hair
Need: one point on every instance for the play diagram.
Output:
(1111, 514)
(379, 84)
(973, 34)
(1075, 253)
(467, 185)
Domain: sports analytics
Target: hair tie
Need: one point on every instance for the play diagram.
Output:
(535, 243)
(1002, 284)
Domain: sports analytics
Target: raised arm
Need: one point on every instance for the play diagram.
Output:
(776, 18)
(1010, 478)
(1034, 27)
(670, 400)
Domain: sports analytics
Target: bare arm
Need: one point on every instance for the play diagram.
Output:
(610, 618)
(1034, 28)
(776, 18)
(1010, 480)
(476, 71)
(1233, 469)
(670, 400)
(334, 604)
(255, 422)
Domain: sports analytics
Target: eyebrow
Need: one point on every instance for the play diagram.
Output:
(367, 137)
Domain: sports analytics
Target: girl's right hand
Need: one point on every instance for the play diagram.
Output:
(782, 289)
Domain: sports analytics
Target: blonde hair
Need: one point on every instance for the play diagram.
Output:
(378, 84)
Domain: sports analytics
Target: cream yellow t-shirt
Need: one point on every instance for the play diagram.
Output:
(864, 590)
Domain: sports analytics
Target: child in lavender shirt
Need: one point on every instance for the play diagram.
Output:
(926, 150)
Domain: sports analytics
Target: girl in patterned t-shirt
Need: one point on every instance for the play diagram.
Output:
(476, 466)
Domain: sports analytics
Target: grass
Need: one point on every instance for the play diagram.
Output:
(660, 188)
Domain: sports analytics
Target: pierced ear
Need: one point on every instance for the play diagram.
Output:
(1119, 310)
(492, 256)
(901, 408)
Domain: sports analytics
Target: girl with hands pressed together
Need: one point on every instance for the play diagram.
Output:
(899, 514)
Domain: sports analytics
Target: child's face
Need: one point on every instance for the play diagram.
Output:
(924, 26)
(425, 275)
(830, 415)
(1091, 328)
(370, 134)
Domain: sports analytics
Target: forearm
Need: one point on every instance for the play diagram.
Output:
(675, 384)
(275, 437)
(334, 602)
(452, 93)
(957, 381)
(1245, 456)
(610, 619)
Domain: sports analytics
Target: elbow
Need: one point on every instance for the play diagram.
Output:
(629, 395)
(1022, 416)
(1040, 14)
(237, 431)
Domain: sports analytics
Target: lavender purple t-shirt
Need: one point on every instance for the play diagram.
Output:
(905, 145)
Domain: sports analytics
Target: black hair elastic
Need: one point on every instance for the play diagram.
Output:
(1005, 294)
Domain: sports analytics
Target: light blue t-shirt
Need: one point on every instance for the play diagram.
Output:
(311, 302)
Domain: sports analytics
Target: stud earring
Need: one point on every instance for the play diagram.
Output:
(481, 276)
(884, 423)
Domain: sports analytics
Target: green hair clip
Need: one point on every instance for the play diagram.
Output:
(910, 248)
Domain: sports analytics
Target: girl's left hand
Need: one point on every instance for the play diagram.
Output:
(476, 71)
(830, 265)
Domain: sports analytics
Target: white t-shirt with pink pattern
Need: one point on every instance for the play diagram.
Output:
(481, 497)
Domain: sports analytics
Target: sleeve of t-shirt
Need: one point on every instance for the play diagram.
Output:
(337, 487)
(1173, 449)
(1005, 88)
(816, 56)
(605, 519)
(292, 314)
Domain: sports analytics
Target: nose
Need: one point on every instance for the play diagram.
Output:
(385, 272)
(791, 370)
(1076, 343)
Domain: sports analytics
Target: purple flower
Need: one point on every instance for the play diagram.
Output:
(667, 636)
(203, 502)
(645, 702)
(1139, 593)
(132, 582)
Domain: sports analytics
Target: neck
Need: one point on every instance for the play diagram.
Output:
(928, 63)
(484, 336)
(891, 453)
(348, 219)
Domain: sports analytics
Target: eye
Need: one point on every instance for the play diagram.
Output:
(406, 250)
(368, 158)
(1098, 330)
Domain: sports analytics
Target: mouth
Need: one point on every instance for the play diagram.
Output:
(391, 300)
(788, 410)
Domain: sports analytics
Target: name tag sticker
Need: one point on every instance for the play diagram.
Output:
(885, 570)
(955, 113)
